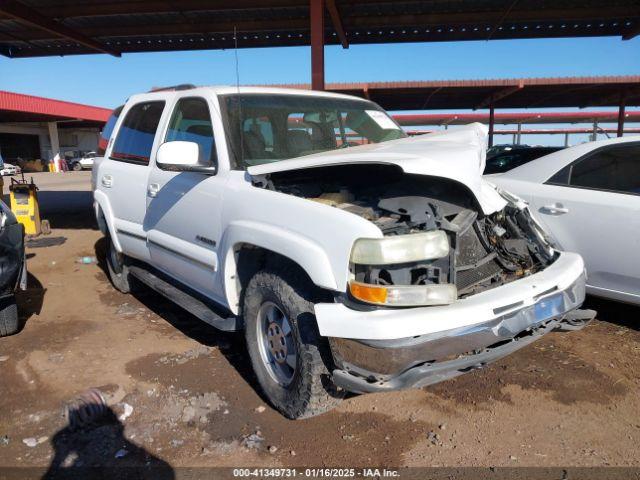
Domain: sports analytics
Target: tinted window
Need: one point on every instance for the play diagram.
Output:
(562, 177)
(616, 169)
(135, 137)
(191, 122)
(105, 135)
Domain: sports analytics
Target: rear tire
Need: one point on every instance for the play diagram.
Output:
(76, 167)
(9, 323)
(304, 388)
(118, 270)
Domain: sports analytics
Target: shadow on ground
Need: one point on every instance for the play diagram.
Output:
(623, 314)
(30, 300)
(230, 344)
(102, 451)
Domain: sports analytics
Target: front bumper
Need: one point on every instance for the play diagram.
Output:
(546, 301)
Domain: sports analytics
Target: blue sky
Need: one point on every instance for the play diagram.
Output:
(107, 81)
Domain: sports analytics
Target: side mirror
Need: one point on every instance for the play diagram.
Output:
(181, 156)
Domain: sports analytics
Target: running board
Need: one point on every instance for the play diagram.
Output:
(184, 297)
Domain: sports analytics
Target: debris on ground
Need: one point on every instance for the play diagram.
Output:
(434, 438)
(200, 406)
(4, 440)
(32, 442)
(272, 449)
(45, 242)
(260, 409)
(4, 358)
(121, 453)
(87, 260)
(126, 309)
(254, 440)
(127, 411)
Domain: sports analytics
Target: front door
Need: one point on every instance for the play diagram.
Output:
(184, 208)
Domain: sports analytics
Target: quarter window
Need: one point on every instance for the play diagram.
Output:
(191, 122)
(137, 132)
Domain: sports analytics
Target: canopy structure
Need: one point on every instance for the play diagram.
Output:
(31, 28)
(620, 91)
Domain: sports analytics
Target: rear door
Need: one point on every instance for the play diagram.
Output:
(592, 206)
(184, 208)
(124, 173)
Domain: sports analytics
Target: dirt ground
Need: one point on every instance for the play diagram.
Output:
(571, 399)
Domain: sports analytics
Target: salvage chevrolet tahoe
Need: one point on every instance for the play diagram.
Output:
(352, 257)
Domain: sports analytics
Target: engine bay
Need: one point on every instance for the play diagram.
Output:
(486, 250)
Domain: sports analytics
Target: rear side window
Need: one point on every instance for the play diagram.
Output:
(615, 169)
(137, 132)
(105, 135)
(191, 122)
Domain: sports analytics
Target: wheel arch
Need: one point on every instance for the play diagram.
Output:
(104, 217)
(248, 250)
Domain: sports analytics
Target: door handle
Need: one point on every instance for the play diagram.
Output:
(555, 209)
(153, 189)
(107, 181)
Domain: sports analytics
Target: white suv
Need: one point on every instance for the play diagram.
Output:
(354, 258)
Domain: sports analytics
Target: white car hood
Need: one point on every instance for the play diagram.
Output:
(456, 154)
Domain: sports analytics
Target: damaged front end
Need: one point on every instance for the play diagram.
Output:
(438, 244)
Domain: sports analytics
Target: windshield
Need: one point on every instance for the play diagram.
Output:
(265, 128)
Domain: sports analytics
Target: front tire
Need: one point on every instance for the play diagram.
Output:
(288, 355)
(76, 167)
(9, 322)
(118, 270)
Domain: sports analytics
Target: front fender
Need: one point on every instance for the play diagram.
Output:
(302, 250)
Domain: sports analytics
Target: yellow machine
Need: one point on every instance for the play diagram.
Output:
(24, 205)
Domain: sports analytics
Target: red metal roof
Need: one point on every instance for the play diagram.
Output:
(502, 93)
(419, 119)
(40, 108)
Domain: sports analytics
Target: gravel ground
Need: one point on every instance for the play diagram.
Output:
(185, 394)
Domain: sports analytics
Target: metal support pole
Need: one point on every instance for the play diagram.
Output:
(316, 9)
(566, 139)
(519, 136)
(513, 138)
(594, 135)
(491, 124)
(621, 107)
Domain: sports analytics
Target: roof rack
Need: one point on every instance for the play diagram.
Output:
(182, 86)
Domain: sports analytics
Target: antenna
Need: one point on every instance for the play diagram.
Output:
(239, 101)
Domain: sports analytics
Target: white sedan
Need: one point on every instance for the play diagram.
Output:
(9, 169)
(588, 198)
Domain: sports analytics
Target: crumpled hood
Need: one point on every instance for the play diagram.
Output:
(458, 155)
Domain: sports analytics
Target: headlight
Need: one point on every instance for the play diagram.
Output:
(401, 248)
(404, 295)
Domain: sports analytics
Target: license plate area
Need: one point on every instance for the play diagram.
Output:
(549, 307)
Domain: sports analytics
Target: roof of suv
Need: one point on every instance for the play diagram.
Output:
(229, 89)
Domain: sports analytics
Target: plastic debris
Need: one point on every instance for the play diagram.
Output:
(86, 260)
(128, 410)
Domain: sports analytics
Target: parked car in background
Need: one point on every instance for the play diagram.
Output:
(13, 271)
(85, 162)
(508, 159)
(9, 169)
(588, 198)
(362, 268)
